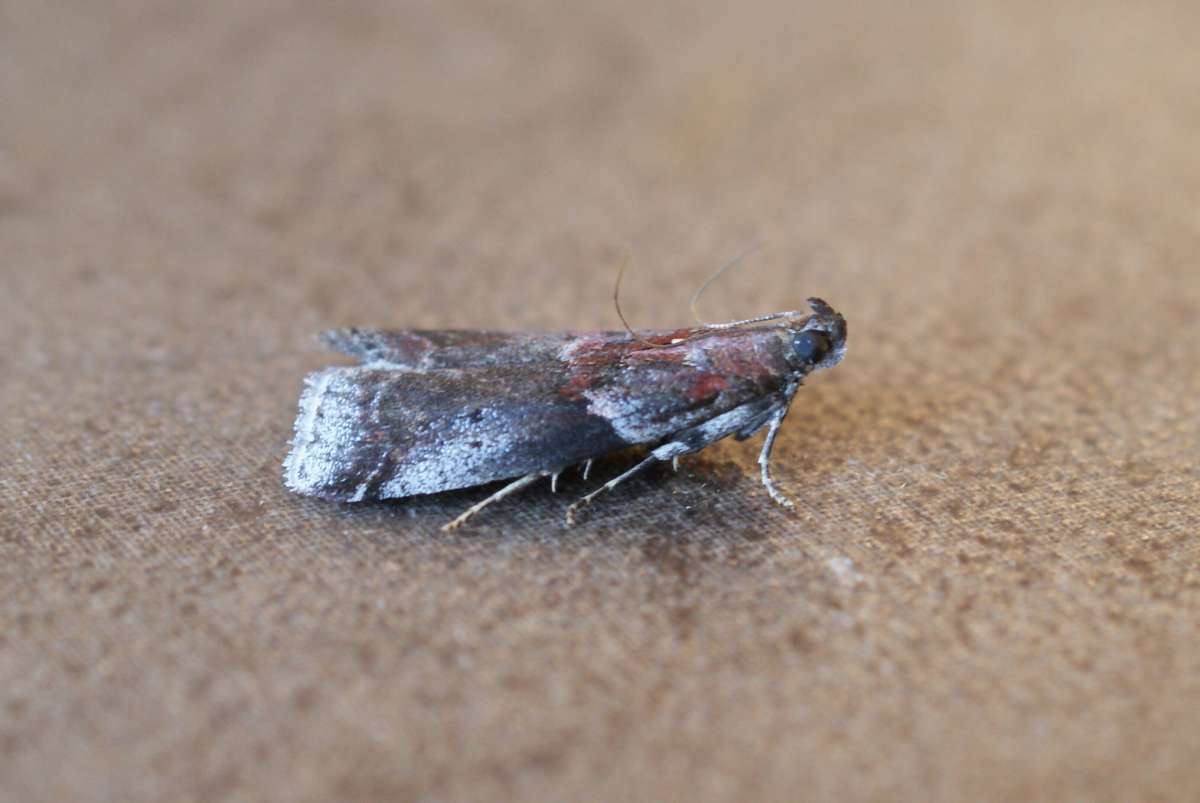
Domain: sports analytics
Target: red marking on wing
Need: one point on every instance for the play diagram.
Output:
(576, 385)
(704, 365)
(705, 386)
(604, 350)
(754, 357)
(667, 338)
(594, 357)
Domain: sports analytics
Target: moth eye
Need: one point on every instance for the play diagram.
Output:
(810, 347)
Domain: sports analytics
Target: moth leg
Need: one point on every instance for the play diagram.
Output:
(507, 490)
(554, 482)
(661, 453)
(689, 440)
(675, 464)
(587, 468)
(755, 424)
(764, 458)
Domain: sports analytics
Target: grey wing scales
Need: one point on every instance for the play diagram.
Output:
(369, 432)
(436, 349)
(389, 429)
(430, 350)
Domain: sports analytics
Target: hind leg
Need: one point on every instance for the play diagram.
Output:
(507, 490)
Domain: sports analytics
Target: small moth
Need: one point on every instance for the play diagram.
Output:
(432, 411)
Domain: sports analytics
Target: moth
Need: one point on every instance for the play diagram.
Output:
(432, 411)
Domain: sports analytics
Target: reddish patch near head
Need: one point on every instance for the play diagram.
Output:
(604, 350)
(596, 356)
(576, 385)
(707, 362)
(669, 338)
(705, 386)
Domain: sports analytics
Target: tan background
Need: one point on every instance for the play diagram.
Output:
(990, 589)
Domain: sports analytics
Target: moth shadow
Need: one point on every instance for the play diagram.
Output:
(715, 502)
(711, 498)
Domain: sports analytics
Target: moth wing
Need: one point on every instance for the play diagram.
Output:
(370, 432)
(437, 349)
(378, 432)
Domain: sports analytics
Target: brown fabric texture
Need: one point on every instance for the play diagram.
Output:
(989, 589)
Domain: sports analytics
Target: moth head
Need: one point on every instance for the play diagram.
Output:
(818, 341)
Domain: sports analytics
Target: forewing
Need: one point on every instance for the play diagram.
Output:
(378, 432)
(646, 393)
(437, 349)
(431, 350)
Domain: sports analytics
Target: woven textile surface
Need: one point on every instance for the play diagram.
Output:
(989, 589)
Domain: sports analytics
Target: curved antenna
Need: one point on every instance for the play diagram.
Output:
(617, 303)
(771, 316)
(700, 290)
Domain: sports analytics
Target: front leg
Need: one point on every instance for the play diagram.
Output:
(764, 458)
(692, 439)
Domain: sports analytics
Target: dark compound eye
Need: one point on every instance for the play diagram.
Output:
(810, 347)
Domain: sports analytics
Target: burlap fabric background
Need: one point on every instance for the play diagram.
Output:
(989, 590)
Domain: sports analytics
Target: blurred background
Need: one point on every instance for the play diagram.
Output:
(989, 590)
(402, 146)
